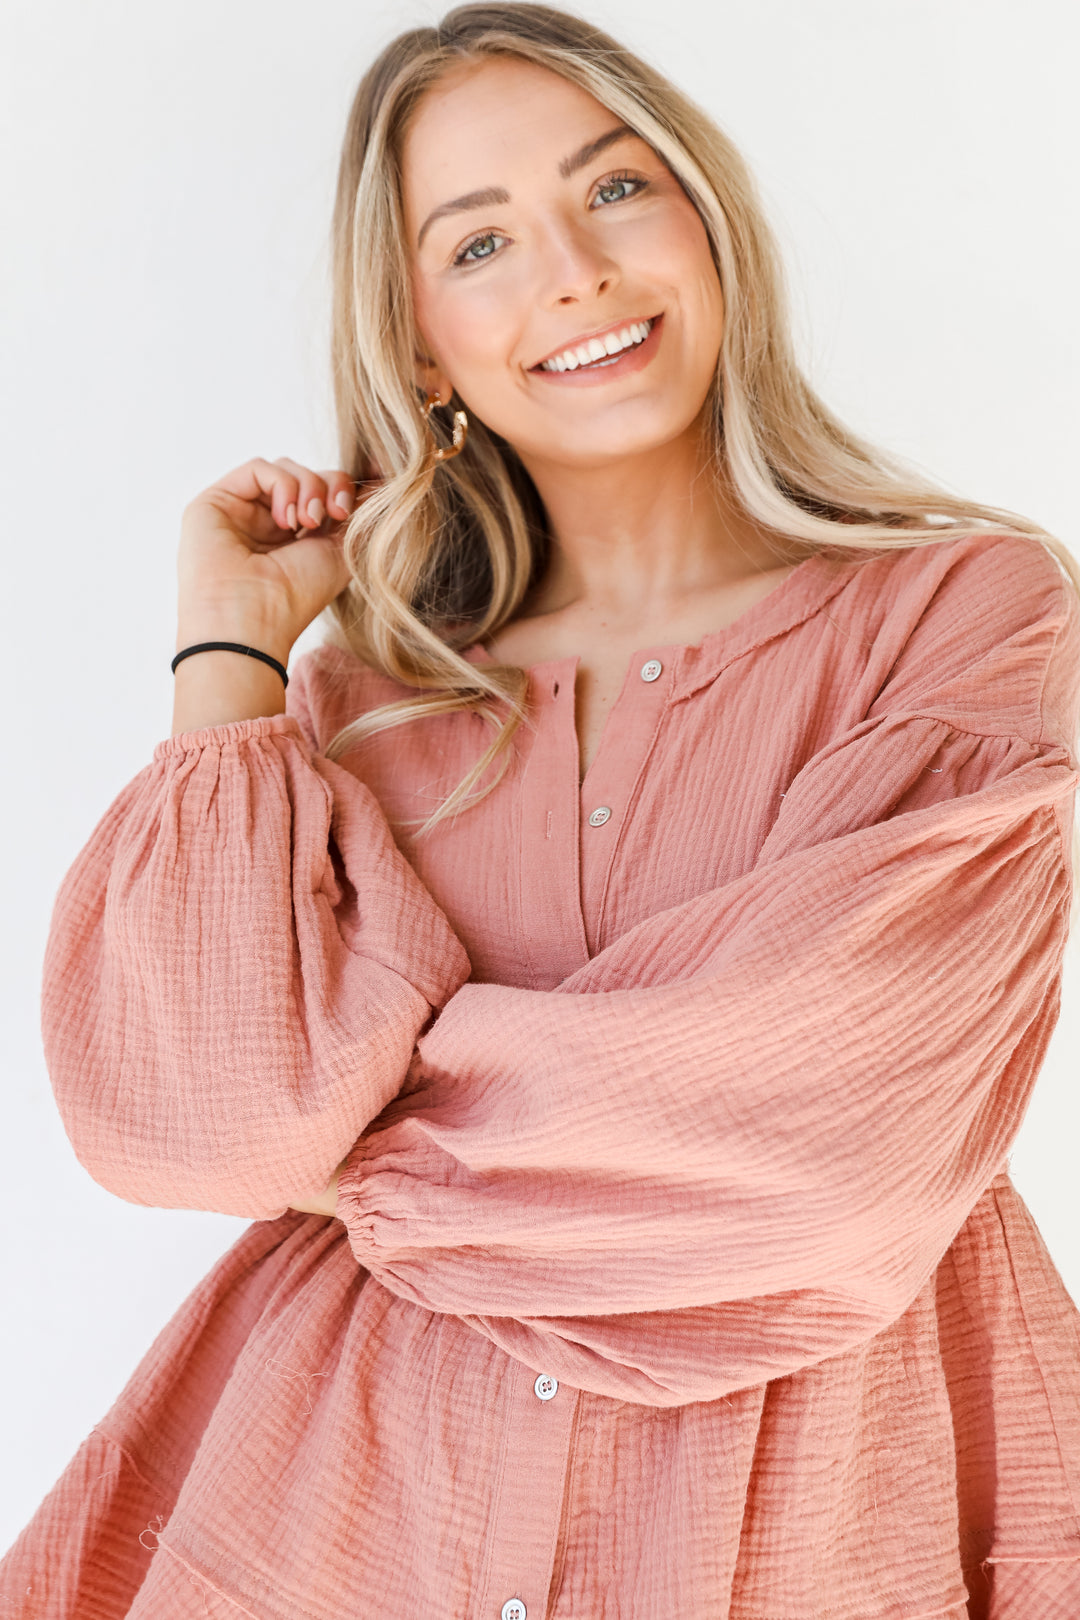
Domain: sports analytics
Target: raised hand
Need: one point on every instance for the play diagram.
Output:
(261, 555)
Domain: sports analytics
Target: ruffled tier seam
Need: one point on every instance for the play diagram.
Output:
(195, 1574)
(1031, 1558)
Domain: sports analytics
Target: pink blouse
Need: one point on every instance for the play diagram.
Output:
(677, 1269)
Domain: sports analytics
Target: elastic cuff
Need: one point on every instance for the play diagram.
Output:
(349, 1179)
(232, 731)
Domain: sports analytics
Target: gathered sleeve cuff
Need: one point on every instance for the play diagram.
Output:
(238, 966)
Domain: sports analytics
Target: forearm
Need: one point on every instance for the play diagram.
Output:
(326, 1203)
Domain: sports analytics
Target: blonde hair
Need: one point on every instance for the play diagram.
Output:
(443, 553)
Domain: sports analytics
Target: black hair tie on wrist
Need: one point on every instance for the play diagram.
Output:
(231, 646)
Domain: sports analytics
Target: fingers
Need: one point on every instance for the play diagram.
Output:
(296, 497)
(340, 498)
(306, 509)
(317, 496)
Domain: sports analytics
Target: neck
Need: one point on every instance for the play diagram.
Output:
(643, 536)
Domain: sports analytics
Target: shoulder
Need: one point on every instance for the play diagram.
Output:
(982, 630)
(989, 581)
(329, 687)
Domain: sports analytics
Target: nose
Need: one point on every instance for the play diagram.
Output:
(578, 267)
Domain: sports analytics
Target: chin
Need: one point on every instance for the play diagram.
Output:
(609, 445)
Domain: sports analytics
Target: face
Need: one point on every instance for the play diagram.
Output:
(562, 279)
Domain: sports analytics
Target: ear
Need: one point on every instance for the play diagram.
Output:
(431, 378)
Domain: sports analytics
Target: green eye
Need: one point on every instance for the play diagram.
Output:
(619, 188)
(481, 247)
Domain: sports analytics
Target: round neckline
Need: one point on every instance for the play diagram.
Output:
(765, 608)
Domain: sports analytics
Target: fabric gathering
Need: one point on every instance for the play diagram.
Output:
(677, 1268)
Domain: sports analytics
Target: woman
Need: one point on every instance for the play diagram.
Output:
(612, 975)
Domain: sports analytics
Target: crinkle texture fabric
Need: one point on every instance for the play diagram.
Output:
(677, 1267)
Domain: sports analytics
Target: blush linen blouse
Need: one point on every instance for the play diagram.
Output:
(677, 1268)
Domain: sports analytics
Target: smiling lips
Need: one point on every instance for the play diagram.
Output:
(596, 350)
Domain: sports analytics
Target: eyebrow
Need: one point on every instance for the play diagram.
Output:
(488, 198)
(591, 149)
(493, 196)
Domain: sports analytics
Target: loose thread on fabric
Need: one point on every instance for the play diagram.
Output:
(194, 1581)
(128, 1458)
(151, 1531)
(293, 1372)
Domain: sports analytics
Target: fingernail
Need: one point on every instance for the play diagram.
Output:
(316, 511)
(343, 500)
(290, 517)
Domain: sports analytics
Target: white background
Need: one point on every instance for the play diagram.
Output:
(168, 175)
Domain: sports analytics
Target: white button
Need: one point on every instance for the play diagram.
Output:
(601, 814)
(651, 670)
(513, 1609)
(545, 1386)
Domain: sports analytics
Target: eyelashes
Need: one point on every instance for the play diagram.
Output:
(466, 256)
(635, 180)
(462, 255)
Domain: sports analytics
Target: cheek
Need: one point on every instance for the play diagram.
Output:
(470, 325)
(698, 272)
(672, 250)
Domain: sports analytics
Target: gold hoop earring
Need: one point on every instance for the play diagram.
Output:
(461, 429)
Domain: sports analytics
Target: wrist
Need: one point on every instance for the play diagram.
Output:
(243, 629)
(215, 688)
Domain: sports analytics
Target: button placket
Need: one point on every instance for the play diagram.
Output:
(526, 1510)
(548, 879)
(625, 743)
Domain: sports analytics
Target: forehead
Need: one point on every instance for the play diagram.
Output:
(484, 122)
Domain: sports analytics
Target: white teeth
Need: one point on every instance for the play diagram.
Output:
(599, 348)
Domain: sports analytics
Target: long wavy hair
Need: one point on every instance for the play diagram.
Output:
(443, 554)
